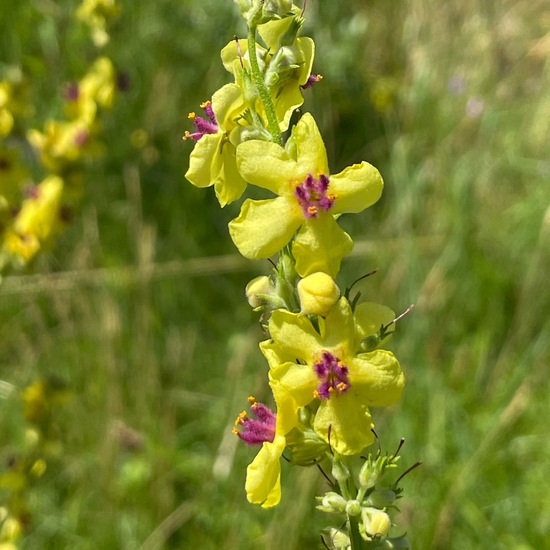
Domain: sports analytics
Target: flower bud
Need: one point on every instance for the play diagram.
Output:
(353, 507)
(340, 471)
(306, 447)
(368, 475)
(257, 289)
(318, 293)
(332, 503)
(339, 539)
(281, 67)
(382, 498)
(261, 11)
(376, 523)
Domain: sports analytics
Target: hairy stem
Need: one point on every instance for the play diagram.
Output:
(272, 122)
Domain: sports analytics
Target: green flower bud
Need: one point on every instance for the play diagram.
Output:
(376, 523)
(281, 67)
(382, 498)
(332, 503)
(277, 9)
(338, 539)
(250, 9)
(261, 11)
(353, 507)
(257, 289)
(340, 471)
(369, 474)
(307, 447)
(318, 293)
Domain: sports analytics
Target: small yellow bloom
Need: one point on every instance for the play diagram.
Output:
(64, 143)
(212, 161)
(37, 220)
(256, 289)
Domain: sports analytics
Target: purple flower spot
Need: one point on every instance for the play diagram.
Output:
(71, 91)
(256, 431)
(332, 374)
(312, 195)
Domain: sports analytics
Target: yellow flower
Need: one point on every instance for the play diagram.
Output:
(327, 366)
(263, 475)
(37, 220)
(307, 202)
(212, 161)
(63, 143)
(97, 87)
(97, 13)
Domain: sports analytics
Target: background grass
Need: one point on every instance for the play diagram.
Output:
(139, 306)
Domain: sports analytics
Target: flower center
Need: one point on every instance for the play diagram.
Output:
(312, 195)
(259, 430)
(203, 125)
(332, 374)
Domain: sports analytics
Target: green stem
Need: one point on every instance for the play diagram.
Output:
(272, 122)
(357, 542)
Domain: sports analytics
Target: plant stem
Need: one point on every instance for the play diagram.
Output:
(272, 123)
(355, 538)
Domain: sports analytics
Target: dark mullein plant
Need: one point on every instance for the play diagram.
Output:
(326, 365)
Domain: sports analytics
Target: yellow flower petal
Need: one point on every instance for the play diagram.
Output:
(228, 185)
(370, 317)
(378, 377)
(205, 162)
(337, 328)
(357, 187)
(298, 381)
(312, 154)
(320, 245)
(268, 165)
(275, 354)
(263, 227)
(295, 334)
(227, 104)
(345, 423)
(263, 475)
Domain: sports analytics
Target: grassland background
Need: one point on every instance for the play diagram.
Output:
(139, 306)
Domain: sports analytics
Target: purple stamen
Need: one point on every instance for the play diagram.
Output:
(259, 430)
(312, 195)
(312, 79)
(332, 374)
(203, 125)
